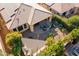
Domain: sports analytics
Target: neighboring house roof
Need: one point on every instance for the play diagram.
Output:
(31, 14)
(59, 7)
(8, 11)
(62, 7)
(76, 4)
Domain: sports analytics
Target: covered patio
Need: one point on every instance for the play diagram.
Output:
(40, 30)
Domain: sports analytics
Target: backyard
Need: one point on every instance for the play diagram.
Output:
(54, 35)
(68, 31)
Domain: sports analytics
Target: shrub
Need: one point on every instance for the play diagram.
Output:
(56, 49)
(68, 23)
(73, 35)
(62, 21)
(74, 21)
(50, 40)
(64, 30)
(13, 40)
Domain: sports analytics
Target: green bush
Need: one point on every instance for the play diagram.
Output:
(74, 21)
(64, 30)
(56, 49)
(73, 35)
(13, 40)
(50, 39)
(61, 20)
(68, 23)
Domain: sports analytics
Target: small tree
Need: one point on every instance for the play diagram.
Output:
(56, 49)
(61, 20)
(13, 40)
(73, 22)
(53, 48)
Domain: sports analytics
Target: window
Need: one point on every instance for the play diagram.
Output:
(25, 26)
(20, 28)
(14, 29)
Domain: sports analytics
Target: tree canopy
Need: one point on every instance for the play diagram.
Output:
(13, 40)
(56, 49)
(73, 35)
